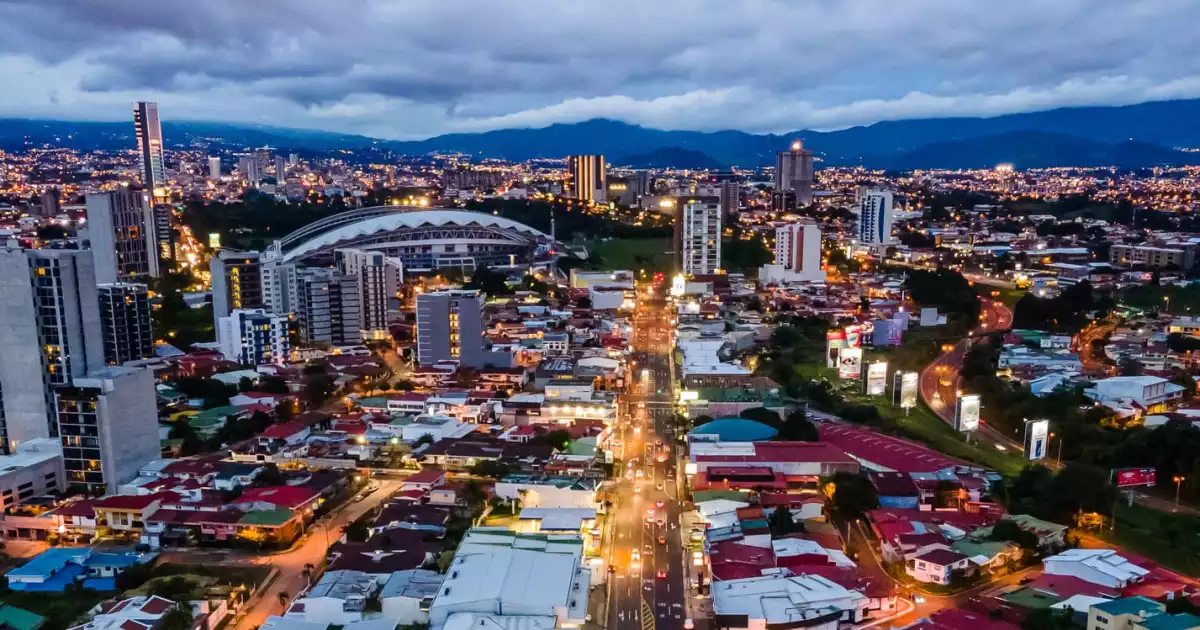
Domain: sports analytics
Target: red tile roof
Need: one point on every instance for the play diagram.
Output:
(283, 430)
(961, 619)
(884, 450)
(942, 557)
(786, 452)
(132, 502)
(290, 497)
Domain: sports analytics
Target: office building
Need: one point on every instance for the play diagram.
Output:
(49, 202)
(279, 285)
(164, 236)
(731, 196)
(586, 178)
(293, 159)
(50, 324)
(121, 227)
(794, 173)
(1181, 255)
(450, 328)
(379, 279)
(214, 168)
(875, 218)
(252, 169)
(797, 255)
(236, 281)
(328, 308)
(700, 238)
(254, 337)
(34, 469)
(280, 169)
(125, 322)
(108, 426)
(148, 131)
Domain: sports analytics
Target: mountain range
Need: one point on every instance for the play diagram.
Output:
(1131, 136)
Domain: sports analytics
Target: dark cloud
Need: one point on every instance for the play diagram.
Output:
(420, 67)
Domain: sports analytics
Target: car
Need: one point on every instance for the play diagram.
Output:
(639, 474)
(658, 443)
(662, 540)
(649, 511)
(649, 518)
(637, 489)
(662, 574)
(659, 503)
(688, 624)
(662, 523)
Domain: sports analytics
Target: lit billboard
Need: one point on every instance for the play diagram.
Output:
(904, 389)
(1132, 477)
(835, 340)
(966, 413)
(877, 378)
(850, 363)
(1037, 438)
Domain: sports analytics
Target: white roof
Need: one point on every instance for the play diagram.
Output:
(782, 598)
(785, 547)
(500, 579)
(479, 621)
(1105, 561)
(290, 623)
(1079, 602)
(558, 519)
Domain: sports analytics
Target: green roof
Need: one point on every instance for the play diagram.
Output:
(218, 413)
(374, 401)
(19, 618)
(738, 394)
(270, 518)
(1182, 621)
(700, 496)
(987, 548)
(1137, 605)
(582, 446)
(1029, 598)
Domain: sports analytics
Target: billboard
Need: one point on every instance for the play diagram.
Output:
(835, 340)
(966, 413)
(1131, 477)
(850, 363)
(904, 389)
(1037, 438)
(854, 336)
(877, 378)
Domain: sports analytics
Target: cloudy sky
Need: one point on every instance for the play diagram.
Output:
(416, 68)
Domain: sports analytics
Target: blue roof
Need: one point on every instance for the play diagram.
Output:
(736, 430)
(1182, 621)
(1136, 605)
(115, 560)
(48, 562)
(54, 583)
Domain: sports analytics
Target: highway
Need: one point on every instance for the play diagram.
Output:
(647, 586)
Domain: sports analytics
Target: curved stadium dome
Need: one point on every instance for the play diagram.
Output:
(423, 238)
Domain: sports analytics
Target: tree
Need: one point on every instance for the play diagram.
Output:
(560, 439)
(284, 598)
(1007, 530)
(781, 522)
(798, 427)
(853, 494)
(425, 438)
(358, 531)
(763, 415)
(270, 476)
(1048, 619)
(489, 281)
(474, 495)
(495, 469)
(403, 386)
(273, 385)
(318, 387)
(178, 618)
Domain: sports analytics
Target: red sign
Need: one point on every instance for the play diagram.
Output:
(1130, 477)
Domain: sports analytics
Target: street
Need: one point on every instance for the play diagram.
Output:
(648, 586)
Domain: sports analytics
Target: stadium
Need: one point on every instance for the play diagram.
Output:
(424, 238)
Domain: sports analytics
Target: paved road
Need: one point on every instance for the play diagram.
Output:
(648, 587)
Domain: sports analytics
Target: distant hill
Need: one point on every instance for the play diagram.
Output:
(670, 157)
(1131, 136)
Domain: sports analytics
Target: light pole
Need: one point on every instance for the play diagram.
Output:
(1059, 449)
(1167, 299)
(1178, 479)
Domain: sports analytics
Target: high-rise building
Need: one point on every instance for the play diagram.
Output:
(875, 218)
(279, 285)
(700, 238)
(293, 159)
(280, 169)
(164, 235)
(214, 168)
(254, 337)
(148, 130)
(252, 169)
(586, 178)
(794, 172)
(121, 227)
(450, 328)
(125, 322)
(49, 202)
(798, 250)
(731, 198)
(50, 324)
(328, 311)
(108, 425)
(236, 281)
(379, 280)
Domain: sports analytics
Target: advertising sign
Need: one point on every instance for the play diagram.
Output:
(850, 363)
(854, 336)
(1037, 436)
(966, 413)
(1131, 477)
(835, 340)
(904, 389)
(877, 378)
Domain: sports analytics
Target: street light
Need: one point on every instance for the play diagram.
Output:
(1178, 479)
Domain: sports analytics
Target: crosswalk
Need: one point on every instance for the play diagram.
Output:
(647, 616)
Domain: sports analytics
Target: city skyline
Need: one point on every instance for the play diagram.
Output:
(422, 71)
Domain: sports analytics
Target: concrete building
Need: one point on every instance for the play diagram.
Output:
(700, 238)
(794, 173)
(50, 324)
(450, 328)
(108, 426)
(797, 255)
(1181, 255)
(164, 234)
(35, 468)
(586, 178)
(1099, 566)
(214, 168)
(379, 278)
(280, 169)
(121, 227)
(148, 131)
(125, 322)
(254, 337)
(786, 601)
(1147, 394)
(328, 309)
(236, 281)
(875, 218)
(497, 575)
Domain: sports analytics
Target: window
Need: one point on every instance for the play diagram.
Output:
(1102, 620)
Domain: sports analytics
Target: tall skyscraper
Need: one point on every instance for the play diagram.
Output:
(586, 178)
(252, 169)
(50, 325)
(798, 250)
(293, 159)
(148, 130)
(236, 281)
(121, 229)
(794, 172)
(164, 236)
(254, 337)
(700, 238)
(280, 169)
(379, 280)
(49, 202)
(125, 322)
(875, 218)
(450, 328)
(214, 168)
(108, 425)
(731, 197)
(328, 311)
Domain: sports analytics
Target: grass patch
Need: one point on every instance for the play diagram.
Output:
(1007, 297)
(1172, 540)
(651, 254)
(61, 610)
